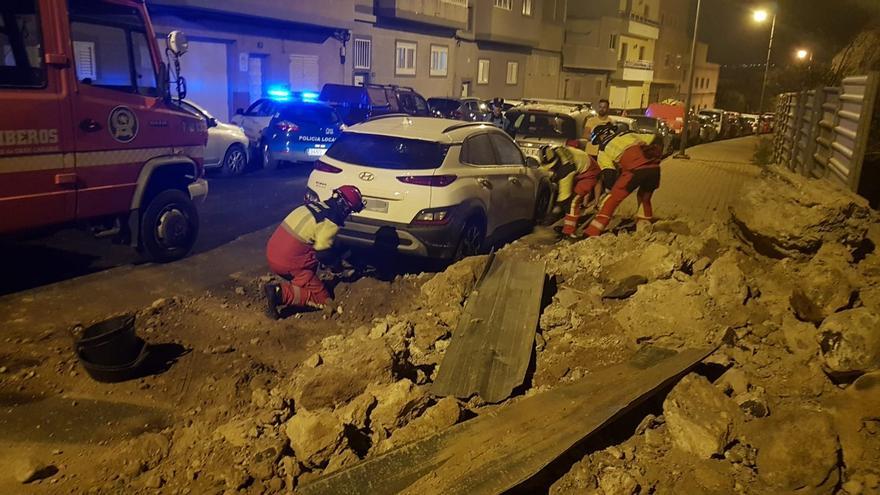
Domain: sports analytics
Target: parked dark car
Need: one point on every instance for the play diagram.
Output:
(467, 109)
(300, 131)
(654, 126)
(358, 103)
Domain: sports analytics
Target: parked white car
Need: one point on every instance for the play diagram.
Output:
(433, 187)
(227, 147)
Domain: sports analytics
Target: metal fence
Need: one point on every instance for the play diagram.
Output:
(823, 133)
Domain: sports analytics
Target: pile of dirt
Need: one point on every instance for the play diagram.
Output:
(264, 407)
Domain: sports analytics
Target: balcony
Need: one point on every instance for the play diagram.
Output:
(639, 26)
(504, 26)
(634, 70)
(451, 14)
(332, 14)
(577, 56)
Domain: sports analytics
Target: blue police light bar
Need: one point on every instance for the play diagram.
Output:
(309, 95)
(278, 93)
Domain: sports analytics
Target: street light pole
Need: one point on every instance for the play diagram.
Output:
(767, 65)
(689, 99)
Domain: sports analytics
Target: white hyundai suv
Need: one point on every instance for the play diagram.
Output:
(433, 187)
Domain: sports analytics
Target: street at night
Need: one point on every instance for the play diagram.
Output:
(613, 247)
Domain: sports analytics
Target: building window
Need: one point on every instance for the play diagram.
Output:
(504, 4)
(512, 71)
(362, 53)
(641, 53)
(405, 62)
(462, 3)
(483, 71)
(439, 60)
(666, 61)
(527, 7)
(624, 49)
(599, 87)
(612, 42)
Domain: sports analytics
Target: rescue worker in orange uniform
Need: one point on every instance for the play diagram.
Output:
(564, 163)
(637, 157)
(302, 241)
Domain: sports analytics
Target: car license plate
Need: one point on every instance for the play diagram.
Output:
(530, 151)
(316, 151)
(377, 205)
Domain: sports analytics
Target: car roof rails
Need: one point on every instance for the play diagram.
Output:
(455, 127)
(388, 116)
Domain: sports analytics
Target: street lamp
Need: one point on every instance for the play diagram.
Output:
(801, 54)
(687, 104)
(761, 16)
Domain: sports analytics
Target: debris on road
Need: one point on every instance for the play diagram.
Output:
(279, 406)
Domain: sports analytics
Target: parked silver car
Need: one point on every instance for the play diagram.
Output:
(227, 148)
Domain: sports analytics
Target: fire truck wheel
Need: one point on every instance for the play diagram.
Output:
(169, 226)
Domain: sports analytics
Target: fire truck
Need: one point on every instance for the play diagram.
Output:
(90, 134)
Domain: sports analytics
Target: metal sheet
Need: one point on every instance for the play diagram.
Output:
(492, 344)
(498, 451)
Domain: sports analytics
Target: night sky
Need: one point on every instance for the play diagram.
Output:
(822, 26)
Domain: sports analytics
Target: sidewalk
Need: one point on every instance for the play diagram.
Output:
(697, 191)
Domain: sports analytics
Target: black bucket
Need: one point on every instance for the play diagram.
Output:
(111, 342)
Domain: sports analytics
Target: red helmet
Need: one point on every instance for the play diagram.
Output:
(351, 196)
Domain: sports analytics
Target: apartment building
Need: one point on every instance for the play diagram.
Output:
(672, 51)
(590, 50)
(239, 49)
(630, 83)
(705, 80)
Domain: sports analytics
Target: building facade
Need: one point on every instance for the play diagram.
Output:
(672, 51)
(705, 80)
(561, 49)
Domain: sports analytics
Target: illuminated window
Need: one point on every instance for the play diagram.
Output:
(439, 60)
(504, 4)
(405, 61)
(512, 70)
(362, 53)
(483, 71)
(612, 41)
(527, 7)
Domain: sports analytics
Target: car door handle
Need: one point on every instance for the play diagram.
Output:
(90, 125)
(513, 180)
(484, 182)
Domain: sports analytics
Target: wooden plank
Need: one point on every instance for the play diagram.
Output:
(492, 344)
(499, 450)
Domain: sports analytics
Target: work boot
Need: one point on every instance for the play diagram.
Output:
(273, 300)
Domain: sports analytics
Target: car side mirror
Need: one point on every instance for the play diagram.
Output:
(239, 111)
(212, 122)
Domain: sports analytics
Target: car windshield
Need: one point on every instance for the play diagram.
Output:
(545, 125)
(309, 114)
(443, 105)
(388, 152)
(711, 115)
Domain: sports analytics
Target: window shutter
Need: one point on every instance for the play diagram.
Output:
(84, 53)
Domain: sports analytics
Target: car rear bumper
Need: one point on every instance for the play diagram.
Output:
(430, 241)
(293, 156)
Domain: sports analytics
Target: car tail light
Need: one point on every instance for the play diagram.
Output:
(432, 217)
(574, 143)
(287, 126)
(457, 114)
(326, 168)
(428, 180)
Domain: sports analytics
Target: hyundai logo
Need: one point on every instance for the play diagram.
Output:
(366, 176)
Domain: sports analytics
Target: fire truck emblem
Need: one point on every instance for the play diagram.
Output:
(122, 124)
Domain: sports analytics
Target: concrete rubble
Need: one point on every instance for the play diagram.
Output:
(789, 289)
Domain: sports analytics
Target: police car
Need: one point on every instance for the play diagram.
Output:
(301, 130)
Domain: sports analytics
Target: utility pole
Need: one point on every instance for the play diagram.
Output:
(689, 99)
(767, 65)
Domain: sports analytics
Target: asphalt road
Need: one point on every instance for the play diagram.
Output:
(234, 207)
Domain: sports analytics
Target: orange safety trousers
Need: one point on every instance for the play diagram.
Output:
(295, 261)
(645, 180)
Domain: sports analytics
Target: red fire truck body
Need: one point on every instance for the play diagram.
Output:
(88, 131)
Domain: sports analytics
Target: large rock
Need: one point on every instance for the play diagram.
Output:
(348, 367)
(655, 261)
(798, 451)
(452, 286)
(438, 417)
(667, 312)
(617, 481)
(726, 281)
(850, 342)
(399, 403)
(823, 289)
(857, 412)
(700, 418)
(786, 215)
(314, 436)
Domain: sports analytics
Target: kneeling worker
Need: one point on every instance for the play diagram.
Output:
(564, 163)
(302, 241)
(638, 159)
